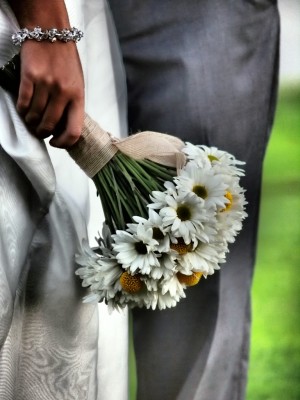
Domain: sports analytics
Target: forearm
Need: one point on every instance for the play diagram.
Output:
(51, 93)
(47, 14)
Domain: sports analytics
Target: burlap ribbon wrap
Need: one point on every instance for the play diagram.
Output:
(96, 148)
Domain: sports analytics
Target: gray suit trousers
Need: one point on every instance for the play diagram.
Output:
(206, 71)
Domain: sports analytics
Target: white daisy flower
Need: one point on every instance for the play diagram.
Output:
(92, 298)
(159, 232)
(100, 273)
(195, 153)
(165, 255)
(131, 292)
(150, 297)
(110, 273)
(172, 286)
(159, 198)
(205, 258)
(140, 300)
(150, 283)
(163, 293)
(162, 301)
(167, 263)
(230, 218)
(185, 215)
(91, 265)
(170, 294)
(223, 162)
(136, 252)
(122, 300)
(166, 301)
(204, 183)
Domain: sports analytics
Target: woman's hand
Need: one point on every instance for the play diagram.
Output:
(51, 94)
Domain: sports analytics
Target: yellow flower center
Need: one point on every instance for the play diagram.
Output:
(189, 280)
(200, 191)
(212, 158)
(131, 283)
(228, 196)
(181, 247)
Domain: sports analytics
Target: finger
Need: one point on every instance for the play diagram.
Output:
(26, 90)
(74, 123)
(51, 117)
(38, 105)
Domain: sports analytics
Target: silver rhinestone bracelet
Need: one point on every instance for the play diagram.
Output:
(52, 35)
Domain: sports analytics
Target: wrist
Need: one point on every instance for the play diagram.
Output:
(51, 35)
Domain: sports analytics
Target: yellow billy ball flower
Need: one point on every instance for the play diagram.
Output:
(189, 280)
(131, 283)
(181, 247)
(229, 197)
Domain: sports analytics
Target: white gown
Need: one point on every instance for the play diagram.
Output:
(52, 346)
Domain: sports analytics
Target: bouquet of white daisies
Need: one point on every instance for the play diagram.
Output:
(162, 232)
(184, 236)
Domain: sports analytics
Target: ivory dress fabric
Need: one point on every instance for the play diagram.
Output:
(52, 346)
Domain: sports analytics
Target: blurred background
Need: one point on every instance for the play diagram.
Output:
(275, 345)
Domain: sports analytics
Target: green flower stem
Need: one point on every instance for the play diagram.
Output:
(164, 173)
(105, 204)
(112, 184)
(104, 180)
(136, 168)
(103, 199)
(150, 175)
(123, 193)
(117, 192)
(133, 208)
(142, 177)
(112, 178)
(136, 174)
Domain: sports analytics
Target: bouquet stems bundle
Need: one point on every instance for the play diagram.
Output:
(164, 231)
(124, 176)
(126, 171)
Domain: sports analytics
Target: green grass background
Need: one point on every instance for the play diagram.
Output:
(274, 372)
(275, 344)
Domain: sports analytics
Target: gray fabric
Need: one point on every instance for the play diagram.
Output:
(206, 71)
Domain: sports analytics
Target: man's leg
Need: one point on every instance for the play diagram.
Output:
(205, 71)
